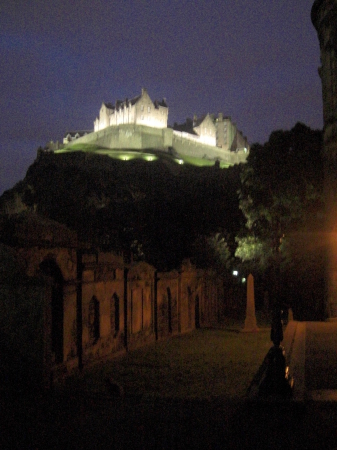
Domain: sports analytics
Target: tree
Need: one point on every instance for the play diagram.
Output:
(281, 194)
(212, 252)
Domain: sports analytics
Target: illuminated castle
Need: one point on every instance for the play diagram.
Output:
(139, 124)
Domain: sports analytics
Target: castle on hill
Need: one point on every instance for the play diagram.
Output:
(142, 124)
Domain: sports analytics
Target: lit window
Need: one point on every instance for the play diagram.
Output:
(148, 108)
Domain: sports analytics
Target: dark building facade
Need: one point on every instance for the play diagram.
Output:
(324, 19)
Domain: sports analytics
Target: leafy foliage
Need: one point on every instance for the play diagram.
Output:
(281, 190)
(212, 252)
(281, 197)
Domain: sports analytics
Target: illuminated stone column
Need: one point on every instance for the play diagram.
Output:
(324, 19)
(250, 321)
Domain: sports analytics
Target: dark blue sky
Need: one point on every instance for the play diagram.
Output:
(254, 60)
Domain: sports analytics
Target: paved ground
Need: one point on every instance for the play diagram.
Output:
(321, 360)
(308, 421)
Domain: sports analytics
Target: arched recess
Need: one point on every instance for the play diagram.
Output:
(50, 268)
(94, 320)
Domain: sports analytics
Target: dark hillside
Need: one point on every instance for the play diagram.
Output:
(154, 209)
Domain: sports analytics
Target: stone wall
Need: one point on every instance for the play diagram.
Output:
(138, 137)
(71, 304)
(128, 137)
(94, 305)
(194, 149)
(324, 18)
(140, 110)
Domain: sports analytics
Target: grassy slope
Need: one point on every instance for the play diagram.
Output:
(123, 154)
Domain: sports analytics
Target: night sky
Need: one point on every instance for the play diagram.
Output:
(253, 60)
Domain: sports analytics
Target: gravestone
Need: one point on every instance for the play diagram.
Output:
(250, 321)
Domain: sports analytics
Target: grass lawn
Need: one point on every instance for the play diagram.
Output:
(188, 394)
(203, 364)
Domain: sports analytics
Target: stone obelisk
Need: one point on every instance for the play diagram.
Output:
(250, 322)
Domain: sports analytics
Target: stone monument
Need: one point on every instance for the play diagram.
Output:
(250, 321)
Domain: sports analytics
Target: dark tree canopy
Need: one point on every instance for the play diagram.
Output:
(281, 197)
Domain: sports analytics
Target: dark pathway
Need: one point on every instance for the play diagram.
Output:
(80, 421)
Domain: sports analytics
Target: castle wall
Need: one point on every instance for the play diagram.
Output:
(206, 131)
(103, 120)
(225, 133)
(146, 113)
(134, 137)
(192, 148)
(123, 116)
(137, 137)
(139, 111)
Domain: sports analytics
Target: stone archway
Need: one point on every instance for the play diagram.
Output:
(50, 268)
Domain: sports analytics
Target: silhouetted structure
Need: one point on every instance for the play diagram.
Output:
(324, 18)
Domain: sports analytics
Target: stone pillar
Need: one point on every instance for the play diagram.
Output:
(324, 19)
(250, 322)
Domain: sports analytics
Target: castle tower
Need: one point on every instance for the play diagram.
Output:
(324, 19)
